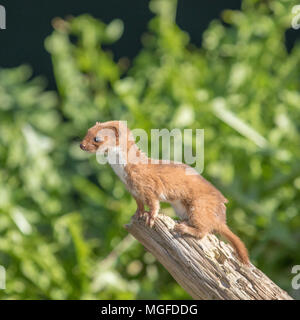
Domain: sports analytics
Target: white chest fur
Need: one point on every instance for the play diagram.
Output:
(177, 205)
(120, 171)
(117, 160)
(179, 208)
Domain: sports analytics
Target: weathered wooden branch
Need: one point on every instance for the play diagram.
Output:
(206, 268)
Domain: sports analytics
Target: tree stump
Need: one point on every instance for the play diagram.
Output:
(207, 269)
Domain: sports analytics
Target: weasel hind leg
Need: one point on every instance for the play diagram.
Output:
(192, 224)
(153, 213)
(184, 228)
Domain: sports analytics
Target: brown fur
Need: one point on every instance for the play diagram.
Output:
(195, 200)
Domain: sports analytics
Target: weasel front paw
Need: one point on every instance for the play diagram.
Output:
(150, 221)
(149, 218)
(139, 214)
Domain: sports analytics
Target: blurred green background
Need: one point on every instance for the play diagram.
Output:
(62, 214)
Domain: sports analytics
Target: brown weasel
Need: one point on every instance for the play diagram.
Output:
(194, 199)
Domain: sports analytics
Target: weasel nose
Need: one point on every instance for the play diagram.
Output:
(82, 146)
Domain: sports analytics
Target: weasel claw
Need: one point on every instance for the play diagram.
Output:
(151, 222)
(140, 214)
(149, 219)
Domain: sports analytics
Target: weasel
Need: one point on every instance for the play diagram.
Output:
(195, 200)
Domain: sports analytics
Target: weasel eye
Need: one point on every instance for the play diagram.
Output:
(97, 139)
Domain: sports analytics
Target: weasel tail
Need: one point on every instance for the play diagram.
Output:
(238, 245)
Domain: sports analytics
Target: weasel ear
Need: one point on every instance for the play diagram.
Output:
(115, 130)
(97, 123)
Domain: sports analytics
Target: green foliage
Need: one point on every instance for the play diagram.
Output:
(62, 214)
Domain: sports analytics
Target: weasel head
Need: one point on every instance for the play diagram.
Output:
(106, 136)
